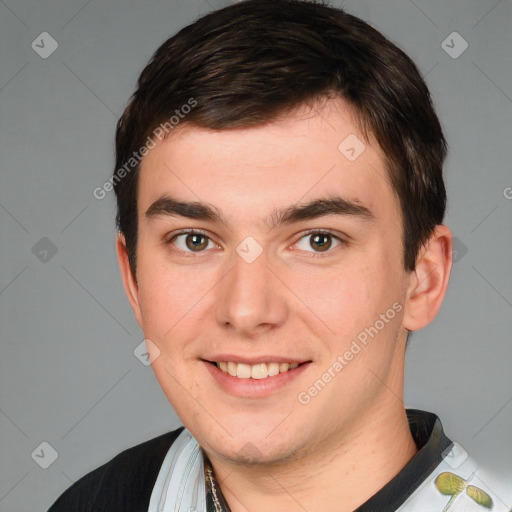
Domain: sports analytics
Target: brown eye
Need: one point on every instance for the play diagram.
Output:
(318, 241)
(321, 241)
(196, 242)
(192, 242)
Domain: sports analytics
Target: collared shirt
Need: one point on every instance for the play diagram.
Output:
(440, 477)
(432, 444)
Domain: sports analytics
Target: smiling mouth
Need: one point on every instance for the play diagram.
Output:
(254, 371)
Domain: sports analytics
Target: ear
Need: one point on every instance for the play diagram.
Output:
(429, 281)
(130, 284)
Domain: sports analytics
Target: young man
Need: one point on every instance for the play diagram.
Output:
(280, 207)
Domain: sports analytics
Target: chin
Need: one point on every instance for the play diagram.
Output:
(255, 448)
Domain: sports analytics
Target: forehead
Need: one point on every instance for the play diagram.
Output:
(312, 152)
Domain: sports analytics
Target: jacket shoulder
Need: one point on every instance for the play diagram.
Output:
(124, 483)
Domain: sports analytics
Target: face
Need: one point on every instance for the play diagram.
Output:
(238, 263)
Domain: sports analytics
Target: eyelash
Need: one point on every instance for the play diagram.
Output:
(310, 232)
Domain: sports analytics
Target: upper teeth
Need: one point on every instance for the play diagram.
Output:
(255, 371)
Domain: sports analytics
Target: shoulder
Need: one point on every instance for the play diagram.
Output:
(124, 483)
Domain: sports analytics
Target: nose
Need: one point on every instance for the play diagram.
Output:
(250, 299)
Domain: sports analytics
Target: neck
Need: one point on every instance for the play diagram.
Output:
(338, 476)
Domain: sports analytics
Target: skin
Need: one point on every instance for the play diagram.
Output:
(294, 301)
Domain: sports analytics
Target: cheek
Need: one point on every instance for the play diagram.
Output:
(338, 292)
(166, 298)
(349, 299)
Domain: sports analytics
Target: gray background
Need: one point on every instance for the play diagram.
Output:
(68, 374)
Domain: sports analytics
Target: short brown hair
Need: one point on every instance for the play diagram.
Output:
(248, 63)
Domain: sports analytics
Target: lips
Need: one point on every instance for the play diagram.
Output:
(254, 377)
(255, 371)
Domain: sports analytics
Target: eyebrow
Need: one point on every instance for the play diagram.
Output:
(331, 205)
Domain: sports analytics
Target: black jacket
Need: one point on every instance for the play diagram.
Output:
(125, 483)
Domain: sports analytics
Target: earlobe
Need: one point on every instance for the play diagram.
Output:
(429, 280)
(129, 281)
